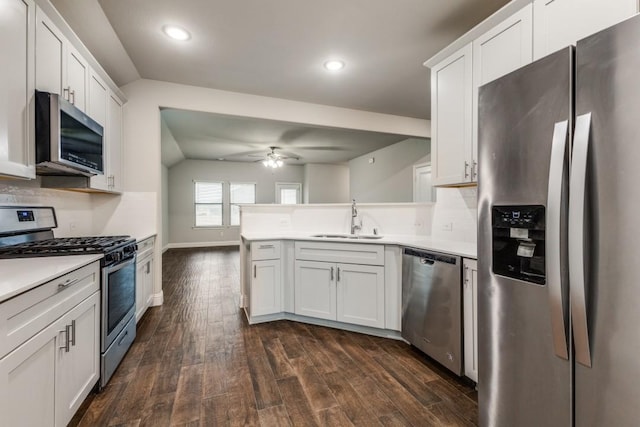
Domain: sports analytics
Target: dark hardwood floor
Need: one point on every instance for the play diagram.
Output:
(196, 361)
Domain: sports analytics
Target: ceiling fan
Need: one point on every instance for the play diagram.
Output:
(274, 160)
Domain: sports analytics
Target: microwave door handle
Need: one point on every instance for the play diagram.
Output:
(577, 193)
(556, 211)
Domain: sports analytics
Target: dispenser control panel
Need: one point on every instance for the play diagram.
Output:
(518, 234)
(531, 217)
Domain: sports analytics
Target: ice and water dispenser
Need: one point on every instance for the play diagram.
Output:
(518, 242)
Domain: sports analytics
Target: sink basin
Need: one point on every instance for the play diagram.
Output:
(348, 236)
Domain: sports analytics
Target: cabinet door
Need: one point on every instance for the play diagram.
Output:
(360, 292)
(560, 23)
(78, 370)
(97, 110)
(501, 50)
(28, 380)
(49, 56)
(470, 313)
(77, 77)
(141, 272)
(266, 288)
(451, 122)
(148, 283)
(114, 143)
(315, 289)
(16, 88)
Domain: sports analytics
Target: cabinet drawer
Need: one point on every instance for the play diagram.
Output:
(265, 250)
(350, 253)
(27, 314)
(145, 246)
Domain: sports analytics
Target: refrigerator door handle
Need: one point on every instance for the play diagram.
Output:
(577, 193)
(555, 285)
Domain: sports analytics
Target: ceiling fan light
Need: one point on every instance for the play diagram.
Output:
(279, 163)
(265, 162)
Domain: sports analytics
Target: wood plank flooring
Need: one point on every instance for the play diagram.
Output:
(196, 361)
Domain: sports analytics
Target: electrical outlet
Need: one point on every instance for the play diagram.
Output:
(221, 233)
(73, 225)
(447, 226)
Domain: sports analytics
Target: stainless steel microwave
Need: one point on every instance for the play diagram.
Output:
(68, 142)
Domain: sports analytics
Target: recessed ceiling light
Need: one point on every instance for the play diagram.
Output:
(176, 33)
(334, 65)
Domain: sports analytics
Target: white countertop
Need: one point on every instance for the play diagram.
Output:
(22, 274)
(463, 249)
(144, 237)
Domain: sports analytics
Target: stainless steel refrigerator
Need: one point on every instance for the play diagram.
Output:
(559, 238)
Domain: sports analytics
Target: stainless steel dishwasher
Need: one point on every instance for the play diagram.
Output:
(432, 304)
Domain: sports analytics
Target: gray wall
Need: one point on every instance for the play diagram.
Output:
(324, 183)
(181, 207)
(390, 177)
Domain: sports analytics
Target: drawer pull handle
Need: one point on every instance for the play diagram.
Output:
(67, 283)
(265, 247)
(123, 337)
(254, 271)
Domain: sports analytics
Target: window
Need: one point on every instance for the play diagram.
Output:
(208, 204)
(240, 194)
(288, 193)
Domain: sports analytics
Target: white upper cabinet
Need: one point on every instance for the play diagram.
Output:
(451, 86)
(501, 50)
(97, 110)
(560, 23)
(59, 67)
(114, 146)
(49, 54)
(16, 88)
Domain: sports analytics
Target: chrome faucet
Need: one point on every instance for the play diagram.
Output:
(354, 214)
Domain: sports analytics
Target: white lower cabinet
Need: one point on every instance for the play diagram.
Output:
(315, 289)
(45, 380)
(360, 290)
(348, 293)
(79, 368)
(470, 313)
(266, 288)
(144, 276)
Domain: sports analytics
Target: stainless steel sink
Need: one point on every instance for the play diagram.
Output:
(348, 236)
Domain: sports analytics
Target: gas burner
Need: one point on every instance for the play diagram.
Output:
(65, 246)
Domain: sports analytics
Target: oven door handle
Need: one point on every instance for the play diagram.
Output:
(122, 264)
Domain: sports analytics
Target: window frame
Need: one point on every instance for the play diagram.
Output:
(288, 185)
(231, 204)
(196, 203)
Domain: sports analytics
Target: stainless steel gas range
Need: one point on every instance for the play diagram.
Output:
(28, 232)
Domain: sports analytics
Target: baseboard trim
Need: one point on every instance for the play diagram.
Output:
(202, 244)
(158, 299)
(165, 248)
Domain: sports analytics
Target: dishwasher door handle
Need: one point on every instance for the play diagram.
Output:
(426, 261)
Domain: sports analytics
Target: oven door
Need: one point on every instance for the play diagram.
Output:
(118, 298)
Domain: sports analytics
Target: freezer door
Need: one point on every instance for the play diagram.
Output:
(524, 372)
(607, 87)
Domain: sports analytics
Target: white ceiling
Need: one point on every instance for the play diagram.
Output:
(207, 136)
(276, 48)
